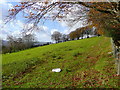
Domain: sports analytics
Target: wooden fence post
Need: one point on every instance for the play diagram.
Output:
(116, 53)
(118, 63)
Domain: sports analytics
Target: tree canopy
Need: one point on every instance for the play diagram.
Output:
(105, 16)
(56, 36)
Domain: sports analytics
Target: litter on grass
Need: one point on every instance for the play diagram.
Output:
(109, 52)
(56, 70)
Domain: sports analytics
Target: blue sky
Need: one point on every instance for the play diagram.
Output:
(14, 27)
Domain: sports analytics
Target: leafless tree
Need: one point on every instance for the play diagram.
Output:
(56, 36)
(28, 40)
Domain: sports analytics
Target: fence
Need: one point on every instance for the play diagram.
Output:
(116, 53)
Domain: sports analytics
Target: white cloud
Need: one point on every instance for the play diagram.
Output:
(13, 28)
(16, 33)
(42, 36)
(43, 28)
(53, 30)
(4, 33)
(1, 23)
(77, 25)
(66, 31)
(9, 5)
(43, 33)
(20, 24)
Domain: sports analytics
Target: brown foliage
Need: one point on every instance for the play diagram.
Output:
(103, 15)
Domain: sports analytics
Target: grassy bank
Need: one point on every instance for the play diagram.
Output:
(84, 63)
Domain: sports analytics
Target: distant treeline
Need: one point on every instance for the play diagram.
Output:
(16, 44)
(74, 35)
(28, 41)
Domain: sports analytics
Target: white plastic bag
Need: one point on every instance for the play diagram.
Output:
(56, 70)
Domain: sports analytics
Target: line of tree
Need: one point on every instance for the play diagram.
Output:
(81, 32)
(77, 34)
(59, 37)
(16, 44)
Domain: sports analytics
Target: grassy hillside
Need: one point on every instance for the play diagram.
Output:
(84, 63)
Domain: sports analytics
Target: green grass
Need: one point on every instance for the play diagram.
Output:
(84, 63)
